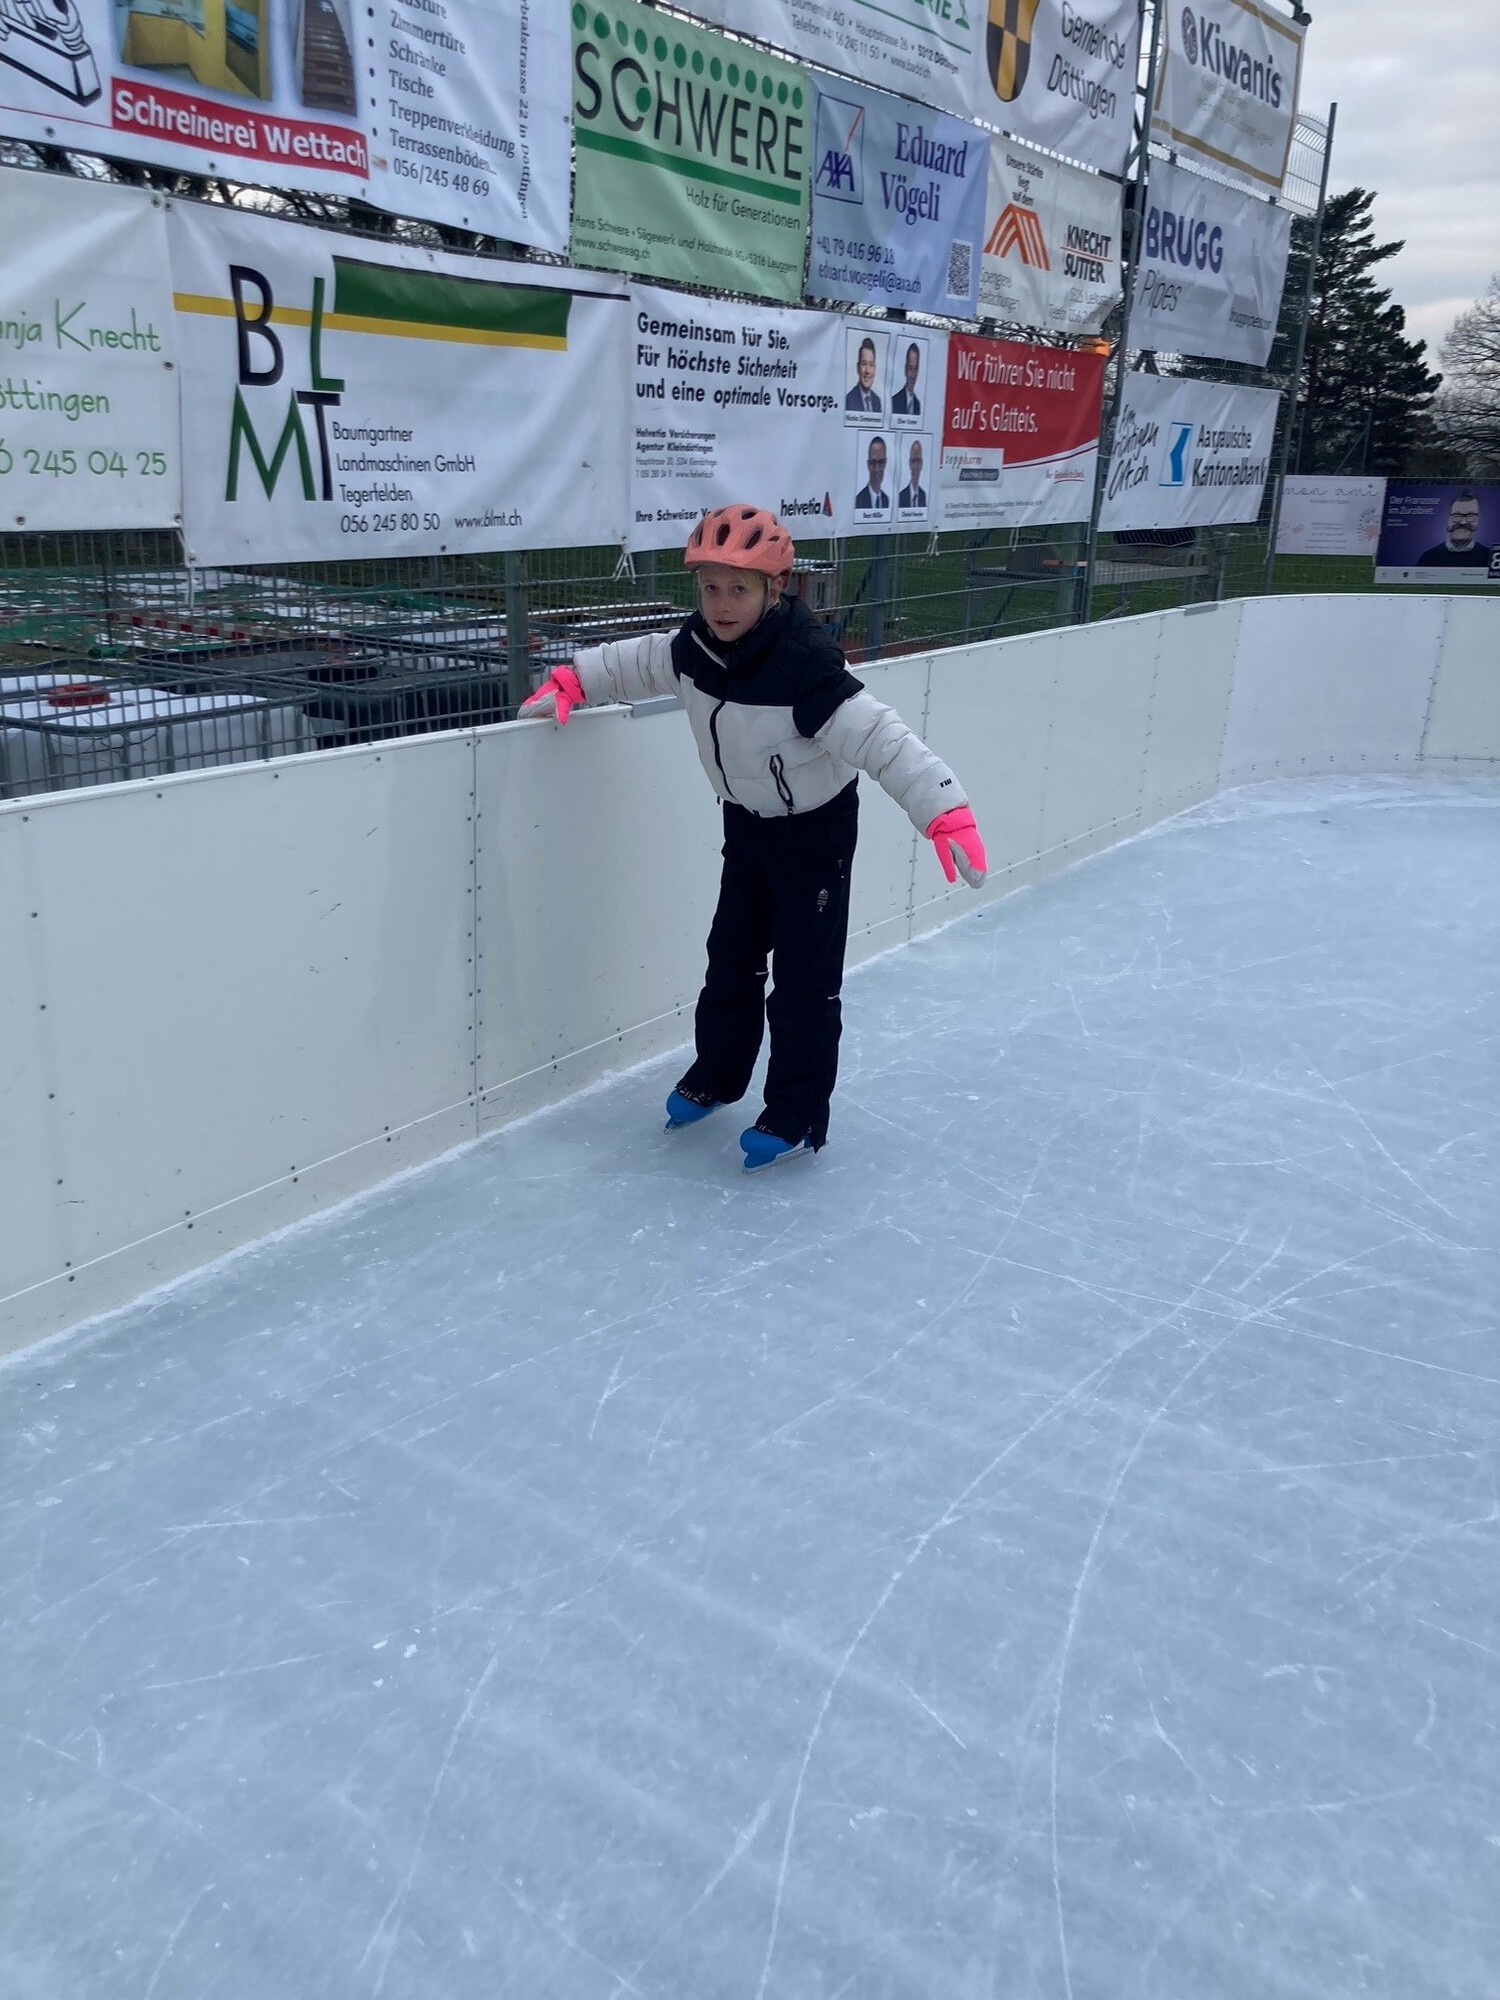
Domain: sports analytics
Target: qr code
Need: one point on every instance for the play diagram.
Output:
(960, 270)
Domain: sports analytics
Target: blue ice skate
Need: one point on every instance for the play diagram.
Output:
(763, 1148)
(686, 1107)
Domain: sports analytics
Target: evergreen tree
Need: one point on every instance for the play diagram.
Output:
(1365, 387)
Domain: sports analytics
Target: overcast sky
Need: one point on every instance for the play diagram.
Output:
(1417, 83)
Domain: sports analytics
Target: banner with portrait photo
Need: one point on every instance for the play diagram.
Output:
(692, 154)
(1439, 533)
(1213, 264)
(1228, 76)
(892, 384)
(1325, 515)
(812, 414)
(1188, 453)
(897, 203)
(1020, 436)
(345, 398)
(89, 433)
(455, 112)
(1051, 243)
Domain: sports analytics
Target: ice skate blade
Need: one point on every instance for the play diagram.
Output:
(802, 1152)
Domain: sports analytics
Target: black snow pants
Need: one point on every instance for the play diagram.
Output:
(783, 898)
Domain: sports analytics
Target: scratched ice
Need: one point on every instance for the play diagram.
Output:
(1047, 1546)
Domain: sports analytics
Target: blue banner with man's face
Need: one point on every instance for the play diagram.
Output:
(1439, 533)
(898, 196)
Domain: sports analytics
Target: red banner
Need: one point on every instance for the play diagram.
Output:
(1020, 432)
(146, 111)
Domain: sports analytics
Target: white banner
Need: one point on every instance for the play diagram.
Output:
(88, 393)
(1051, 243)
(454, 110)
(342, 398)
(1329, 516)
(829, 420)
(1213, 262)
(919, 51)
(897, 203)
(891, 379)
(1228, 76)
(1060, 73)
(1188, 453)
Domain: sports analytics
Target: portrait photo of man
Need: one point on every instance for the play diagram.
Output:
(906, 402)
(872, 497)
(912, 499)
(1462, 549)
(864, 398)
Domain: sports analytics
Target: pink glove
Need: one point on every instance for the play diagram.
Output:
(559, 694)
(956, 829)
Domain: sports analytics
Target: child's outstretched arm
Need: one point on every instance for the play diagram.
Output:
(873, 738)
(622, 670)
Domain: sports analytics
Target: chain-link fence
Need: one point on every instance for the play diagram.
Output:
(116, 661)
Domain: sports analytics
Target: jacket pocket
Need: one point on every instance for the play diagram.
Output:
(783, 789)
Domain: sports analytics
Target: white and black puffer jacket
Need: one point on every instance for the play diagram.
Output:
(781, 724)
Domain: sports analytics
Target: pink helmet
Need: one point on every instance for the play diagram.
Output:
(741, 538)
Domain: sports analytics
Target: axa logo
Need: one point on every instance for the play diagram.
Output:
(1018, 229)
(840, 150)
(1007, 45)
(1174, 465)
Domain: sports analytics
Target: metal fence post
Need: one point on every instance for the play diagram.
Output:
(1107, 421)
(878, 583)
(1293, 421)
(517, 636)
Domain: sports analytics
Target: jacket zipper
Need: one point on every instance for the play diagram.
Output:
(783, 789)
(713, 730)
(713, 720)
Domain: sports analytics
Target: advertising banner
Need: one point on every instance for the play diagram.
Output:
(453, 110)
(930, 53)
(897, 203)
(1227, 82)
(342, 398)
(88, 390)
(1434, 531)
(692, 154)
(1051, 243)
(1020, 433)
(827, 419)
(1188, 453)
(891, 383)
(1060, 73)
(1329, 516)
(1212, 267)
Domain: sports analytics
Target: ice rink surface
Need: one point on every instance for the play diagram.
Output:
(1048, 1545)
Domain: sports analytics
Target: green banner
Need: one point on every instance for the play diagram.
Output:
(692, 154)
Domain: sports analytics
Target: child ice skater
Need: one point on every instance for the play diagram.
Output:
(782, 728)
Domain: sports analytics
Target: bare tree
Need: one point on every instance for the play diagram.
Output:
(1466, 414)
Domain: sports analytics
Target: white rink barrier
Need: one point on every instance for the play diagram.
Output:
(233, 997)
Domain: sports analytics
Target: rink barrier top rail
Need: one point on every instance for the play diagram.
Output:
(116, 661)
